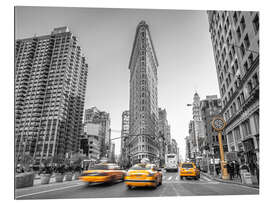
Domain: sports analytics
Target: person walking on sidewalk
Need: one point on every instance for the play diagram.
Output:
(257, 172)
(237, 170)
(217, 170)
(232, 170)
(229, 170)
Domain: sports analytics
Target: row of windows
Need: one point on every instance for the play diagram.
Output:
(252, 83)
(246, 130)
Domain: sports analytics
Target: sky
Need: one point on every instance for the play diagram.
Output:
(181, 40)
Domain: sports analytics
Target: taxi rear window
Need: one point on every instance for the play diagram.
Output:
(187, 166)
(141, 167)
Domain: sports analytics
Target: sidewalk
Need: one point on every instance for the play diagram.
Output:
(37, 180)
(234, 181)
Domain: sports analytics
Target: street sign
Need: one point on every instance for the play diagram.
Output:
(218, 123)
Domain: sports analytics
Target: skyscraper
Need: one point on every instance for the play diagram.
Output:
(143, 96)
(94, 115)
(198, 124)
(235, 40)
(210, 108)
(124, 139)
(50, 85)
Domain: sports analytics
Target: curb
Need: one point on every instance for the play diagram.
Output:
(230, 182)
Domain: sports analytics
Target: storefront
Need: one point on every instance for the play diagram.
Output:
(250, 154)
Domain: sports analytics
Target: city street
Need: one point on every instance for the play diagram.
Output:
(171, 186)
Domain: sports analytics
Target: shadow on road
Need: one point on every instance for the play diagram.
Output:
(97, 185)
(143, 188)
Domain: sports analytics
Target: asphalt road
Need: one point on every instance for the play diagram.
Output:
(171, 186)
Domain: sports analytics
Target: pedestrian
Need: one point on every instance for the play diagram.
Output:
(232, 170)
(217, 170)
(229, 170)
(257, 171)
(237, 169)
(244, 167)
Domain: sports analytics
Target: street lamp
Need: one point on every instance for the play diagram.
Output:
(219, 124)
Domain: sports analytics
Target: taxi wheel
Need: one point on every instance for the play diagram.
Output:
(129, 187)
(181, 177)
(156, 184)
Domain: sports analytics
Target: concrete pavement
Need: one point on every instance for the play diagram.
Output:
(234, 181)
(171, 186)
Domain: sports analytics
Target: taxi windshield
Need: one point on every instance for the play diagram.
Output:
(141, 167)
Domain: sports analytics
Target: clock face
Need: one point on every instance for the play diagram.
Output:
(218, 124)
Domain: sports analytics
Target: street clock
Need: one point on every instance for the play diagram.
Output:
(218, 123)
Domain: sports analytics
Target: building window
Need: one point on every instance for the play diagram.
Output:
(143, 94)
(255, 79)
(236, 64)
(246, 41)
(246, 128)
(243, 23)
(250, 59)
(249, 86)
(233, 70)
(238, 31)
(243, 51)
(242, 97)
(234, 107)
(256, 121)
(236, 84)
(235, 18)
(239, 102)
(237, 134)
(246, 66)
(256, 23)
(230, 54)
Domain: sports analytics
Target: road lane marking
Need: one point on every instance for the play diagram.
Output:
(52, 190)
(175, 190)
(206, 178)
(170, 178)
(190, 182)
(176, 178)
(164, 189)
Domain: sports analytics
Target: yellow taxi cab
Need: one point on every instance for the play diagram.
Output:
(101, 173)
(143, 174)
(189, 169)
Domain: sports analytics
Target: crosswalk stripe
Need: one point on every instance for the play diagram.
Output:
(170, 178)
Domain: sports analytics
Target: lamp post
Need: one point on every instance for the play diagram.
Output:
(219, 124)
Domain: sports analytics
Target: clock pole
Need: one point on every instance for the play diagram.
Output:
(219, 124)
